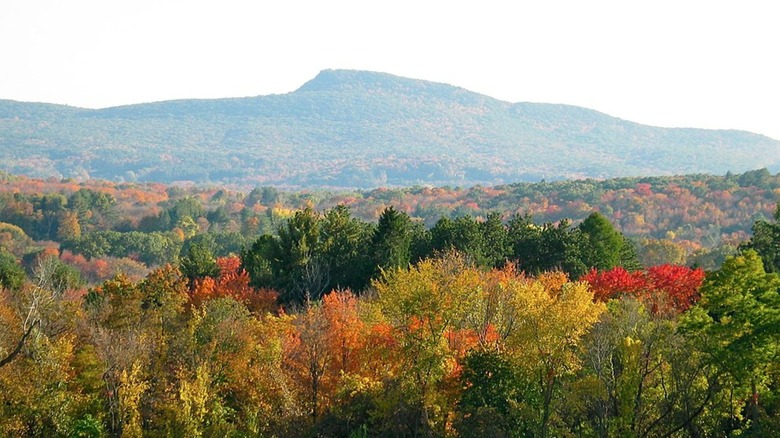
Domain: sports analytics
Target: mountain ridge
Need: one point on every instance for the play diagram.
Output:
(351, 128)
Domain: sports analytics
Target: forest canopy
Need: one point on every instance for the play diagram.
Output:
(130, 310)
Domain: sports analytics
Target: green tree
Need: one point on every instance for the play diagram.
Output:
(603, 243)
(93, 208)
(49, 209)
(641, 377)
(488, 404)
(464, 234)
(344, 240)
(297, 262)
(766, 242)
(218, 217)
(186, 207)
(737, 323)
(199, 262)
(629, 255)
(391, 243)
(496, 247)
(256, 260)
(159, 222)
(546, 247)
(292, 262)
(11, 273)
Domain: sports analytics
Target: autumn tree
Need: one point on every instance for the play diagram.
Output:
(641, 377)
(423, 304)
(346, 333)
(40, 395)
(229, 376)
(555, 316)
(233, 281)
(309, 357)
(68, 227)
(653, 252)
(663, 288)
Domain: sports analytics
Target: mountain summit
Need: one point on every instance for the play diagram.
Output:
(348, 128)
(353, 80)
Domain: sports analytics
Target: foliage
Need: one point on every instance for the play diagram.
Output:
(663, 288)
(738, 324)
(766, 242)
(491, 395)
(12, 275)
(472, 327)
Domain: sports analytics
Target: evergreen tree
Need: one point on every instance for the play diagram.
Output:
(344, 240)
(391, 243)
(496, 248)
(256, 260)
(546, 247)
(300, 270)
(464, 234)
(199, 262)
(603, 244)
(766, 242)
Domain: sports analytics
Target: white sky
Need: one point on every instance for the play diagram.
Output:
(706, 64)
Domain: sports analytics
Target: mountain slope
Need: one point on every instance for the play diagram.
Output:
(359, 129)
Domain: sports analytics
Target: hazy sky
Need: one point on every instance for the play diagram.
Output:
(707, 64)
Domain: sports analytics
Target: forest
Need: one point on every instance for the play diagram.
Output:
(627, 307)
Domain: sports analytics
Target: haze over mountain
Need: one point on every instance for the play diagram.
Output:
(360, 129)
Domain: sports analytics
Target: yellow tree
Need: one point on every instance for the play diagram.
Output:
(68, 227)
(39, 395)
(258, 378)
(115, 326)
(131, 388)
(552, 318)
(424, 304)
(233, 376)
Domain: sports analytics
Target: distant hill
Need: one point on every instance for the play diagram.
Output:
(360, 129)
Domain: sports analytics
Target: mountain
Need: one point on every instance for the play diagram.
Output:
(359, 129)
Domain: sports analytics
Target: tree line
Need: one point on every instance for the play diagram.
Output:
(314, 253)
(682, 219)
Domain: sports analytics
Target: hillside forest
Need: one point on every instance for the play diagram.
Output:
(350, 129)
(625, 307)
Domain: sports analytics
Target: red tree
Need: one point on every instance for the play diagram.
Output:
(664, 288)
(233, 281)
